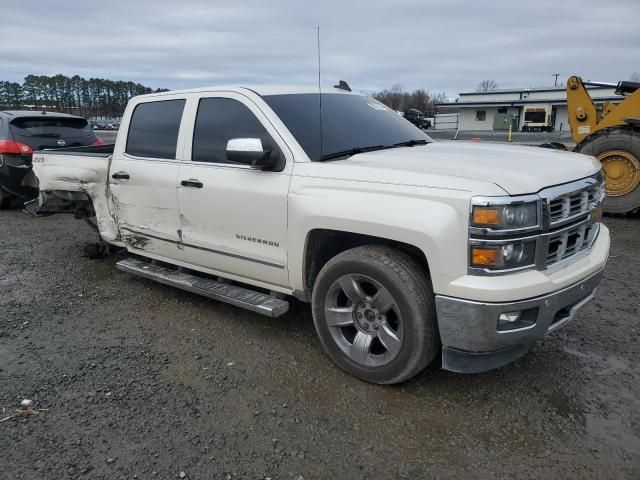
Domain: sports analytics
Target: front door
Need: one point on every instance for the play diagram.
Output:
(143, 180)
(233, 217)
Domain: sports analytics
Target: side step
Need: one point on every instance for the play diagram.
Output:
(224, 292)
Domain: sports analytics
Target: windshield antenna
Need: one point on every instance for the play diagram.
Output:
(319, 92)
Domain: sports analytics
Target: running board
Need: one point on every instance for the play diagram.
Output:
(239, 296)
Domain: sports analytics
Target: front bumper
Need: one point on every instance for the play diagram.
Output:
(469, 329)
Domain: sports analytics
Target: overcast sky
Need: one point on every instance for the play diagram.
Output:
(438, 45)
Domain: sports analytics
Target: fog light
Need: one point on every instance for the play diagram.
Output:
(517, 320)
(509, 317)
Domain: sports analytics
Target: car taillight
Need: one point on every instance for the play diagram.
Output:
(9, 146)
(98, 142)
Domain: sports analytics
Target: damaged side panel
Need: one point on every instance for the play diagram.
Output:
(70, 182)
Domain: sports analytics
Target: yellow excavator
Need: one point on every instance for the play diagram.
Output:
(611, 133)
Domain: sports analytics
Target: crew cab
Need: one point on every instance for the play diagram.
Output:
(406, 249)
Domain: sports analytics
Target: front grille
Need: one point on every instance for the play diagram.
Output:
(572, 204)
(570, 242)
(569, 211)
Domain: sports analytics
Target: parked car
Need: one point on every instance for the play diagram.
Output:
(406, 249)
(417, 118)
(21, 133)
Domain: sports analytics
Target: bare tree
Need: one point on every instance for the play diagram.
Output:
(487, 86)
(399, 99)
(635, 77)
(438, 97)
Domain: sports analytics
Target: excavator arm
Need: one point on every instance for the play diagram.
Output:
(585, 118)
(611, 133)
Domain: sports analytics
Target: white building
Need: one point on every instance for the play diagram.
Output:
(487, 110)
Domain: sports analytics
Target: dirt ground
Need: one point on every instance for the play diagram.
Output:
(138, 380)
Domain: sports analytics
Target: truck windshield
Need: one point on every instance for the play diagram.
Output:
(350, 124)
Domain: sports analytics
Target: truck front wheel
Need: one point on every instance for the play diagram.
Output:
(374, 312)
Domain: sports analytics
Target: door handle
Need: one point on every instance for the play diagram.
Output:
(120, 176)
(191, 183)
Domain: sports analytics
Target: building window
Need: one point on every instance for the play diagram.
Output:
(481, 115)
(502, 110)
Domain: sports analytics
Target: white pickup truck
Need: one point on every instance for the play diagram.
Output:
(407, 249)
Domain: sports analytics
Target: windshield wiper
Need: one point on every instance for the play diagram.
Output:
(352, 151)
(411, 143)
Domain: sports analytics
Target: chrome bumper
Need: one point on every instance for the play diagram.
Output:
(469, 329)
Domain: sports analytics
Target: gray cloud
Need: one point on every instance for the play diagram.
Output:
(439, 45)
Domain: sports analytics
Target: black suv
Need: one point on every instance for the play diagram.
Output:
(22, 133)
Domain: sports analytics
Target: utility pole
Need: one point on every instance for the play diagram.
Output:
(555, 82)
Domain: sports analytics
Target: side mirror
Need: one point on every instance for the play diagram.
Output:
(250, 151)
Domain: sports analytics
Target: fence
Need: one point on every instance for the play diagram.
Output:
(445, 121)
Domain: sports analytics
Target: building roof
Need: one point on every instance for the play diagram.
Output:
(525, 96)
(531, 89)
(515, 103)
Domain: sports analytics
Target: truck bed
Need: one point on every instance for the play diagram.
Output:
(77, 177)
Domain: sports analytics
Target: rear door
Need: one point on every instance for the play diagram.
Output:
(233, 217)
(143, 177)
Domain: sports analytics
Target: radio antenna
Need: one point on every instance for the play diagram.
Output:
(319, 91)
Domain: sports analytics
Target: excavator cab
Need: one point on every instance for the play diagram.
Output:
(611, 133)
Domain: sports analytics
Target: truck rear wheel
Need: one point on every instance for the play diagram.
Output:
(618, 148)
(5, 199)
(374, 312)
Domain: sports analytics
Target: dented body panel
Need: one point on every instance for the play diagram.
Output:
(61, 175)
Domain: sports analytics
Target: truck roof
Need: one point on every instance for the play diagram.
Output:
(258, 89)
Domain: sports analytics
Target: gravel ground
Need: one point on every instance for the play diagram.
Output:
(144, 381)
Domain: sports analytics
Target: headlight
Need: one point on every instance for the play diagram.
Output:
(505, 256)
(505, 217)
(602, 192)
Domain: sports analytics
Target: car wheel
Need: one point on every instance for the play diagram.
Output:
(373, 309)
(5, 200)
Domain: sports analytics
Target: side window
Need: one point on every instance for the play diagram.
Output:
(219, 120)
(481, 115)
(153, 131)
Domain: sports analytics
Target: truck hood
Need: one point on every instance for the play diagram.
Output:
(516, 169)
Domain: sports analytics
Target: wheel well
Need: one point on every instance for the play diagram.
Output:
(322, 245)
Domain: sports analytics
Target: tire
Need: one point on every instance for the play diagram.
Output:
(559, 146)
(389, 333)
(6, 199)
(94, 250)
(621, 138)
